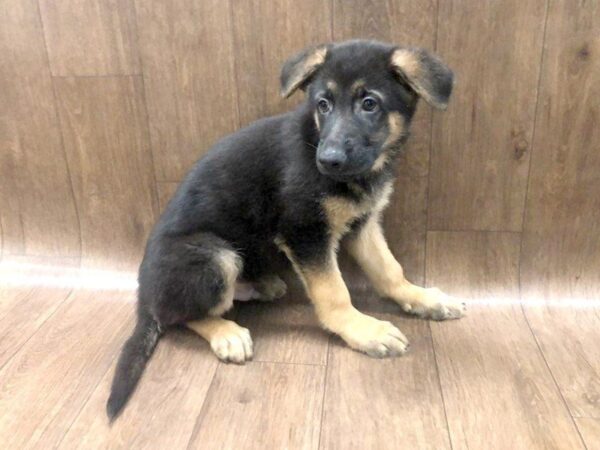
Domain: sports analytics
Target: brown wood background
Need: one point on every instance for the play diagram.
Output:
(105, 104)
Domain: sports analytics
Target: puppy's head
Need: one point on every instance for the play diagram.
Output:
(363, 95)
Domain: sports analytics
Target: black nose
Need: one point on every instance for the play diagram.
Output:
(332, 159)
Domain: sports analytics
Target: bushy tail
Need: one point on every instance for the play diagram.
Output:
(135, 354)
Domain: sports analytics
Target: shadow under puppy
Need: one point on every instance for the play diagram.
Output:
(293, 184)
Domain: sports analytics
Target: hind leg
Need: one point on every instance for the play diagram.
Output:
(229, 341)
(191, 280)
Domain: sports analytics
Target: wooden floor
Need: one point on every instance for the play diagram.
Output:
(509, 375)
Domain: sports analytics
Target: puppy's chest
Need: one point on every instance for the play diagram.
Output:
(341, 212)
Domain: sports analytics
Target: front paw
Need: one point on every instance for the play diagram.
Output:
(431, 303)
(376, 338)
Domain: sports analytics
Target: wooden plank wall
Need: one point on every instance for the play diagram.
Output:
(105, 104)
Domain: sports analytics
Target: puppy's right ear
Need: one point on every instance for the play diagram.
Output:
(298, 70)
(430, 78)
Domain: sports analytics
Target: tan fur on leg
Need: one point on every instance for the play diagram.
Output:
(229, 341)
(231, 266)
(331, 298)
(371, 251)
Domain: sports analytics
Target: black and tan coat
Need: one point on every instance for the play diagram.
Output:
(292, 186)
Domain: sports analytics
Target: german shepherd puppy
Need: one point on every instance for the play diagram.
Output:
(292, 184)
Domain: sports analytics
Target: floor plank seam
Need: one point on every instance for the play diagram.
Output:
(520, 283)
(439, 378)
(465, 230)
(429, 163)
(60, 130)
(234, 64)
(324, 391)
(67, 296)
(33, 255)
(435, 359)
(288, 363)
(155, 197)
(535, 112)
(93, 390)
(581, 436)
(1, 241)
(147, 113)
(104, 75)
(198, 422)
(560, 393)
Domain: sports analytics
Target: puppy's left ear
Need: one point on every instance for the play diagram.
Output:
(430, 78)
(297, 70)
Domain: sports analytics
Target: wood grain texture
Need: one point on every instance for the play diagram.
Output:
(163, 410)
(481, 146)
(37, 209)
(388, 403)
(94, 37)
(106, 140)
(590, 431)
(59, 368)
(260, 406)
(561, 249)
(22, 311)
(187, 57)
(497, 388)
(166, 189)
(569, 340)
(408, 23)
(266, 33)
(284, 331)
(405, 219)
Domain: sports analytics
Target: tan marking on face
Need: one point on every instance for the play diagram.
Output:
(357, 85)
(332, 85)
(316, 117)
(231, 266)
(341, 212)
(396, 129)
(309, 66)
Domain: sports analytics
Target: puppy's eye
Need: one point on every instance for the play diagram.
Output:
(324, 106)
(369, 104)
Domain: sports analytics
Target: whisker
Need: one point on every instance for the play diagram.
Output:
(312, 145)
